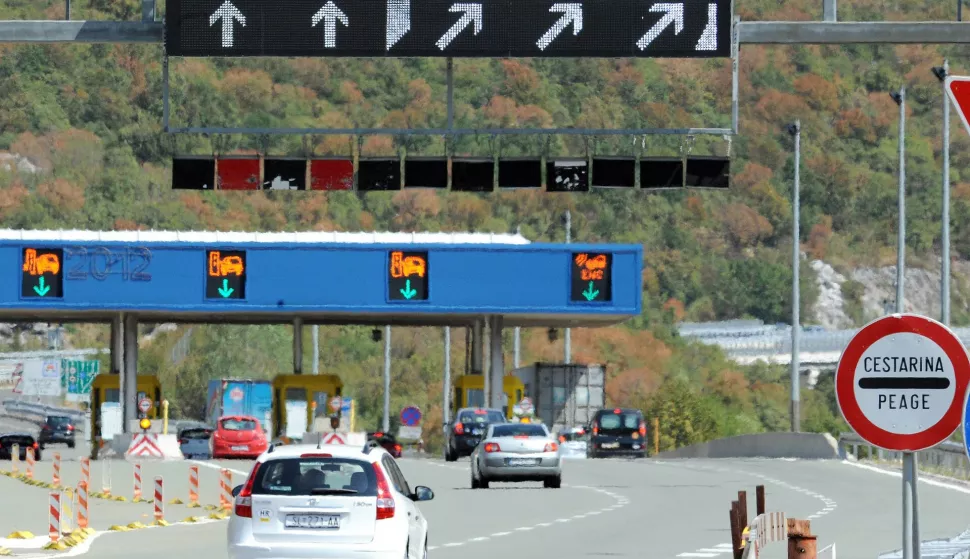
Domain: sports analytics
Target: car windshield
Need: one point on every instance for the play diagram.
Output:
(233, 424)
(481, 416)
(58, 421)
(315, 476)
(619, 421)
(518, 430)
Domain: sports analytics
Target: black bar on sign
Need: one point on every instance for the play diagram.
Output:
(904, 383)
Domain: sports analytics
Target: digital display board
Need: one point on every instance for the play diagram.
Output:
(591, 278)
(225, 274)
(446, 28)
(407, 276)
(237, 173)
(42, 273)
(284, 174)
(193, 173)
(568, 175)
(331, 174)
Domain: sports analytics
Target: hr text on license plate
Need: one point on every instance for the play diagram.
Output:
(243, 447)
(313, 521)
(522, 461)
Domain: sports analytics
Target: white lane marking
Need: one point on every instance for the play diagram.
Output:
(453, 544)
(713, 550)
(619, 502)
(723, 546)
(689, 554)
(217, 467)
(432, 547)
(934, 482)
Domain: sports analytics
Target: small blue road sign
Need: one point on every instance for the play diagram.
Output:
(410, 416)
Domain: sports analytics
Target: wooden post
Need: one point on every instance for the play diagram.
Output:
(801, 544)
(735, 530)
(743, 508)
(759, 492)
(656, 436)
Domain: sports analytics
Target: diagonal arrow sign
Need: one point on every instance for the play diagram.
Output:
(329, 14)
(708, 40)
(229, 14)
(472, 14)
(571, 13)
(398, 21)
(674, 13)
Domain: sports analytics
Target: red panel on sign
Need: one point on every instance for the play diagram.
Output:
(331, 174)
(238, 173)
(847, 376)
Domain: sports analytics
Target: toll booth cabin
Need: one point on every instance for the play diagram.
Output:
(106, 413)
(299, 399)
(470, 392)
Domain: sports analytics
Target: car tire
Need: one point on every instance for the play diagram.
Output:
(483, 483)
(475, 483)
(425, 554)
(70, 444)
(449, 455)
(552, 482)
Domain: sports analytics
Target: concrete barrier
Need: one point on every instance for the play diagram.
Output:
(811, 446)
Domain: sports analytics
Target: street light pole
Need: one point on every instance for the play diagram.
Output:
(900, 98)
(796, 131)
(941, 72)
(567, 343)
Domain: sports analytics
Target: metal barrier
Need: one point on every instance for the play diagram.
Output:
(949, 458)
(28, 408)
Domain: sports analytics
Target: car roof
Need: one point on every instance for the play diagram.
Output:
(473, 408)
(622, 410)
(355, 452)
(17, 434)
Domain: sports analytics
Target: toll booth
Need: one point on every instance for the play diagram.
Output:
(299, 399)
(106, 413)
(470, 392)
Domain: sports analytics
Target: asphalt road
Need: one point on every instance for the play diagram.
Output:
(662, 509)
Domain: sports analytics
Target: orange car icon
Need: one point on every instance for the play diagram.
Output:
(598, 263)
(413, 265)
(232, 265)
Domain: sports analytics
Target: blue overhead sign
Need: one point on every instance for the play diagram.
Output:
(365, 283)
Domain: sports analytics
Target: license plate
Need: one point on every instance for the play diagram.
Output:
(523, 461)
(610, 445)
(313, 521)
(243, 447)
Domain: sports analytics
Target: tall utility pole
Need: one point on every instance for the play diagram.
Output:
(446, 389)
(517, 335)
(796, 131)
(567, 349)
(386, 423)
(316, 348)
(900, 98)
(941, 72)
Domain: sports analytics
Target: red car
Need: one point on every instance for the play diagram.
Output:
(238, 436)
(387, 441)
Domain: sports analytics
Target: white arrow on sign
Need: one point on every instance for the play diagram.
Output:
(708, 40)
(472, 14)
(330, 13)
(571, 13)
(229, 14)
(674, 13)
(398, 21)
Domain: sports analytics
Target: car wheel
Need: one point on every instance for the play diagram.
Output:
(70, 444)
(483, 483)
(475, 483)
(425, 554)
(449, 455)
(552, 482)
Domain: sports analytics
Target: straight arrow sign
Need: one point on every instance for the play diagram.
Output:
(472, 14)
(329, 14)
(229, 14)
(398, 21)
(571, 13)
(674, 13)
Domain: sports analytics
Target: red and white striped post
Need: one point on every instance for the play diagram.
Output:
(15, 458)
(193, 486)
(30, 462)
(136, 494)
(55, 516)
(86, 470)
(225, 496)
(82, 505)
(159, 501)
(57, 469)
(106, 478)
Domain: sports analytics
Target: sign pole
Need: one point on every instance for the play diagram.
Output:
(909, 490)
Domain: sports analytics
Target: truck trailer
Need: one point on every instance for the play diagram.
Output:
(563, 395)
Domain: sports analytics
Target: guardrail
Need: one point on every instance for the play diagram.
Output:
(41, 410)
(948, 458)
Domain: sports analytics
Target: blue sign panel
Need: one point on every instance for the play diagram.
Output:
(326, 281)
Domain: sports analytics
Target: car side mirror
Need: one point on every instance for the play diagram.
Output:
(422, 493)
(236, 490)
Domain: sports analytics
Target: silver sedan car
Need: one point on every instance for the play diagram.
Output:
(516, 452)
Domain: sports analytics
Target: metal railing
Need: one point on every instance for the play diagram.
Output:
(949, 458)
(40, 410)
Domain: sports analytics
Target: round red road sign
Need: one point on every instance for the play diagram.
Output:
(901, 382)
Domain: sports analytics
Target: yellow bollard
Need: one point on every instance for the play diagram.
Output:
(164, 417)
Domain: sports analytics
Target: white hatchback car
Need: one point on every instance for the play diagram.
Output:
(328, 501)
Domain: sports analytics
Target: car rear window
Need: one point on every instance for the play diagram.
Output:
(315, 476)
(195, 434)
(629, 421)
(22, 440)
(58, 421)
(518, 430)
(481, 416)
(238, 424)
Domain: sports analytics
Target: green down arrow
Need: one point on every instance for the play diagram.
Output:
(40, 288)
(225, 290)
(591, 293)
(407, 291)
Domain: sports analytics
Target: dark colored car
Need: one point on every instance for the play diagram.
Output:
(617, 432)
(467, 430)
(194, 442)
(7, 440)
(57, 429)
(387, 441)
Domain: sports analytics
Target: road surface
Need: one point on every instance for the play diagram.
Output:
(674, 508)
